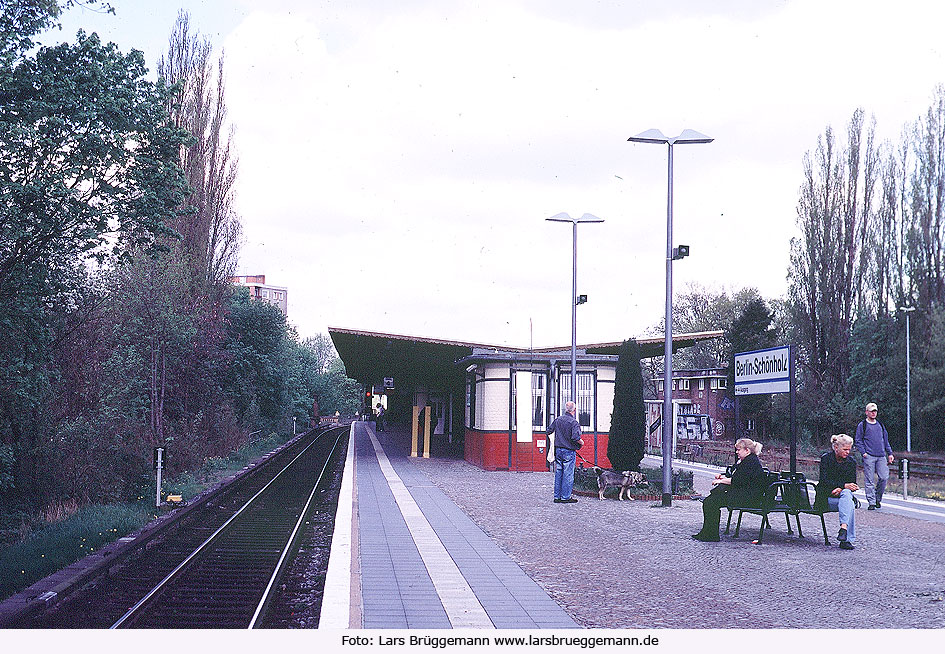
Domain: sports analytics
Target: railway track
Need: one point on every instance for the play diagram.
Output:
(225, 567)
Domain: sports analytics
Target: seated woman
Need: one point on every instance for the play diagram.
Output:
(836, 485)
(744, 488)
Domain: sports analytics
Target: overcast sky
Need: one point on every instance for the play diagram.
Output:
(398, 159)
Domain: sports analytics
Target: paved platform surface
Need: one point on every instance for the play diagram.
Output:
(423, 563)
(633, 564)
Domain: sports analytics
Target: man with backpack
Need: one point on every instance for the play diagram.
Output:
(872, 440)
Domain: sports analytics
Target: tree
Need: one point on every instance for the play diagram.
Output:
(88, 170)
(750, 331)
(627, 440)
(878, 374)
(257, 379)
(89, 159)
(830, 261)
(210, 229)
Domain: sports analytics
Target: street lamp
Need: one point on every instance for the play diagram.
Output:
(656, 136)
(907, 311)
(575, 299)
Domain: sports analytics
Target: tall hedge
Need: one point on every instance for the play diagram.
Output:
(625, 447)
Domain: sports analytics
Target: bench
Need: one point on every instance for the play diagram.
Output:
(789, 493)
(803, 493)
(774, 500)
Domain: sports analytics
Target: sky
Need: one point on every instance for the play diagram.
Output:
(398, 159)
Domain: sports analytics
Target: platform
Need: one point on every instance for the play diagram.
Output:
(406, 556)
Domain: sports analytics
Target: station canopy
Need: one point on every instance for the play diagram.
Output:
(369, 357)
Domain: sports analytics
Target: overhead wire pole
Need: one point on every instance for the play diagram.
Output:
(656, 136)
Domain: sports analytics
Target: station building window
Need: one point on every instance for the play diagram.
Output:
(470, 400)
(585, 396)
(479, 405)
(539, 392)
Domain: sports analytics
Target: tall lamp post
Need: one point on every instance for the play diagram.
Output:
(907, 311)
(575, 300)
(656, 136)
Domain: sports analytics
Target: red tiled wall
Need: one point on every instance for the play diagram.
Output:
(490, 451)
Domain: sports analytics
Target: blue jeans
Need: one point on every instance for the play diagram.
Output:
(844, 504)
(564, 473)
(876, 473)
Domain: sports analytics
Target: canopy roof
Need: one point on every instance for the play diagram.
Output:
(369, 357)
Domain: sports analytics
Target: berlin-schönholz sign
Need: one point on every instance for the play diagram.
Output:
(763, 371)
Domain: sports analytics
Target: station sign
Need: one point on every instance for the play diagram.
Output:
(763, 371)
(388, 383)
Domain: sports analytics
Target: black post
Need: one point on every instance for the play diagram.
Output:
(793, 414)
(739, 432)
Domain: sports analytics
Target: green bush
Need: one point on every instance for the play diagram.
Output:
(585, 479)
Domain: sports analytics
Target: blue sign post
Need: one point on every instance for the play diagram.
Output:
(771, 370)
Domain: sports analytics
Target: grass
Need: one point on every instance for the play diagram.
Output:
(58, 544)
(59, 540)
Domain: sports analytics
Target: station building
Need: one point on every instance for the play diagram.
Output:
(702, 408)
(470, 394)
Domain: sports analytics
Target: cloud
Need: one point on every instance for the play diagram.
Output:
(398, 159)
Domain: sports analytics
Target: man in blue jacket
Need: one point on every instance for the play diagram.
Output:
(872, 441)
(568, 440)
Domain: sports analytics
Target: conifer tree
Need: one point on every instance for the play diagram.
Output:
(625, 446)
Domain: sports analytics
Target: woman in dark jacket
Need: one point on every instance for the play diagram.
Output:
(745, 487)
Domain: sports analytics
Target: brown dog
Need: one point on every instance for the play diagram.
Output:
(623, 480)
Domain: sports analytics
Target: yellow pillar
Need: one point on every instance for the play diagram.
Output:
(413, 431)
(426, 432)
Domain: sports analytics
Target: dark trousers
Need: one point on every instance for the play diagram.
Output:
(712, 510)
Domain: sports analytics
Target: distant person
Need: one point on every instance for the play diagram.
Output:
(568, 440)
(379, 417)
(872, 440)
(836, 486)
(745, 487)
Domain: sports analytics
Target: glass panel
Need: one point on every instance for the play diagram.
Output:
(538, 399)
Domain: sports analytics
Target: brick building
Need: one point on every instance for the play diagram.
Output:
(702, 405)
(260, 290)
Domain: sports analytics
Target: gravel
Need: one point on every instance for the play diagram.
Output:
(632, 564)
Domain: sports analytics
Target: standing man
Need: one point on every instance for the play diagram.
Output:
(379, 417)
(872, 441)
(568, 440)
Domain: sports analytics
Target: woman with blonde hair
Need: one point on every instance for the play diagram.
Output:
(744, 488)
(836, 485)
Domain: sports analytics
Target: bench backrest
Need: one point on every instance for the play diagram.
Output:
(797, 490)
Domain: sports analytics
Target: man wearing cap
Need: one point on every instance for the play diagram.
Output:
(872, 440)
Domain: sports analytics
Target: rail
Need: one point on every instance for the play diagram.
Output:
(189, 577)
(96, 591)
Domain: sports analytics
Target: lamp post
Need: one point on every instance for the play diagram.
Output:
(656, 136)
(907, 311)
(575, 300)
